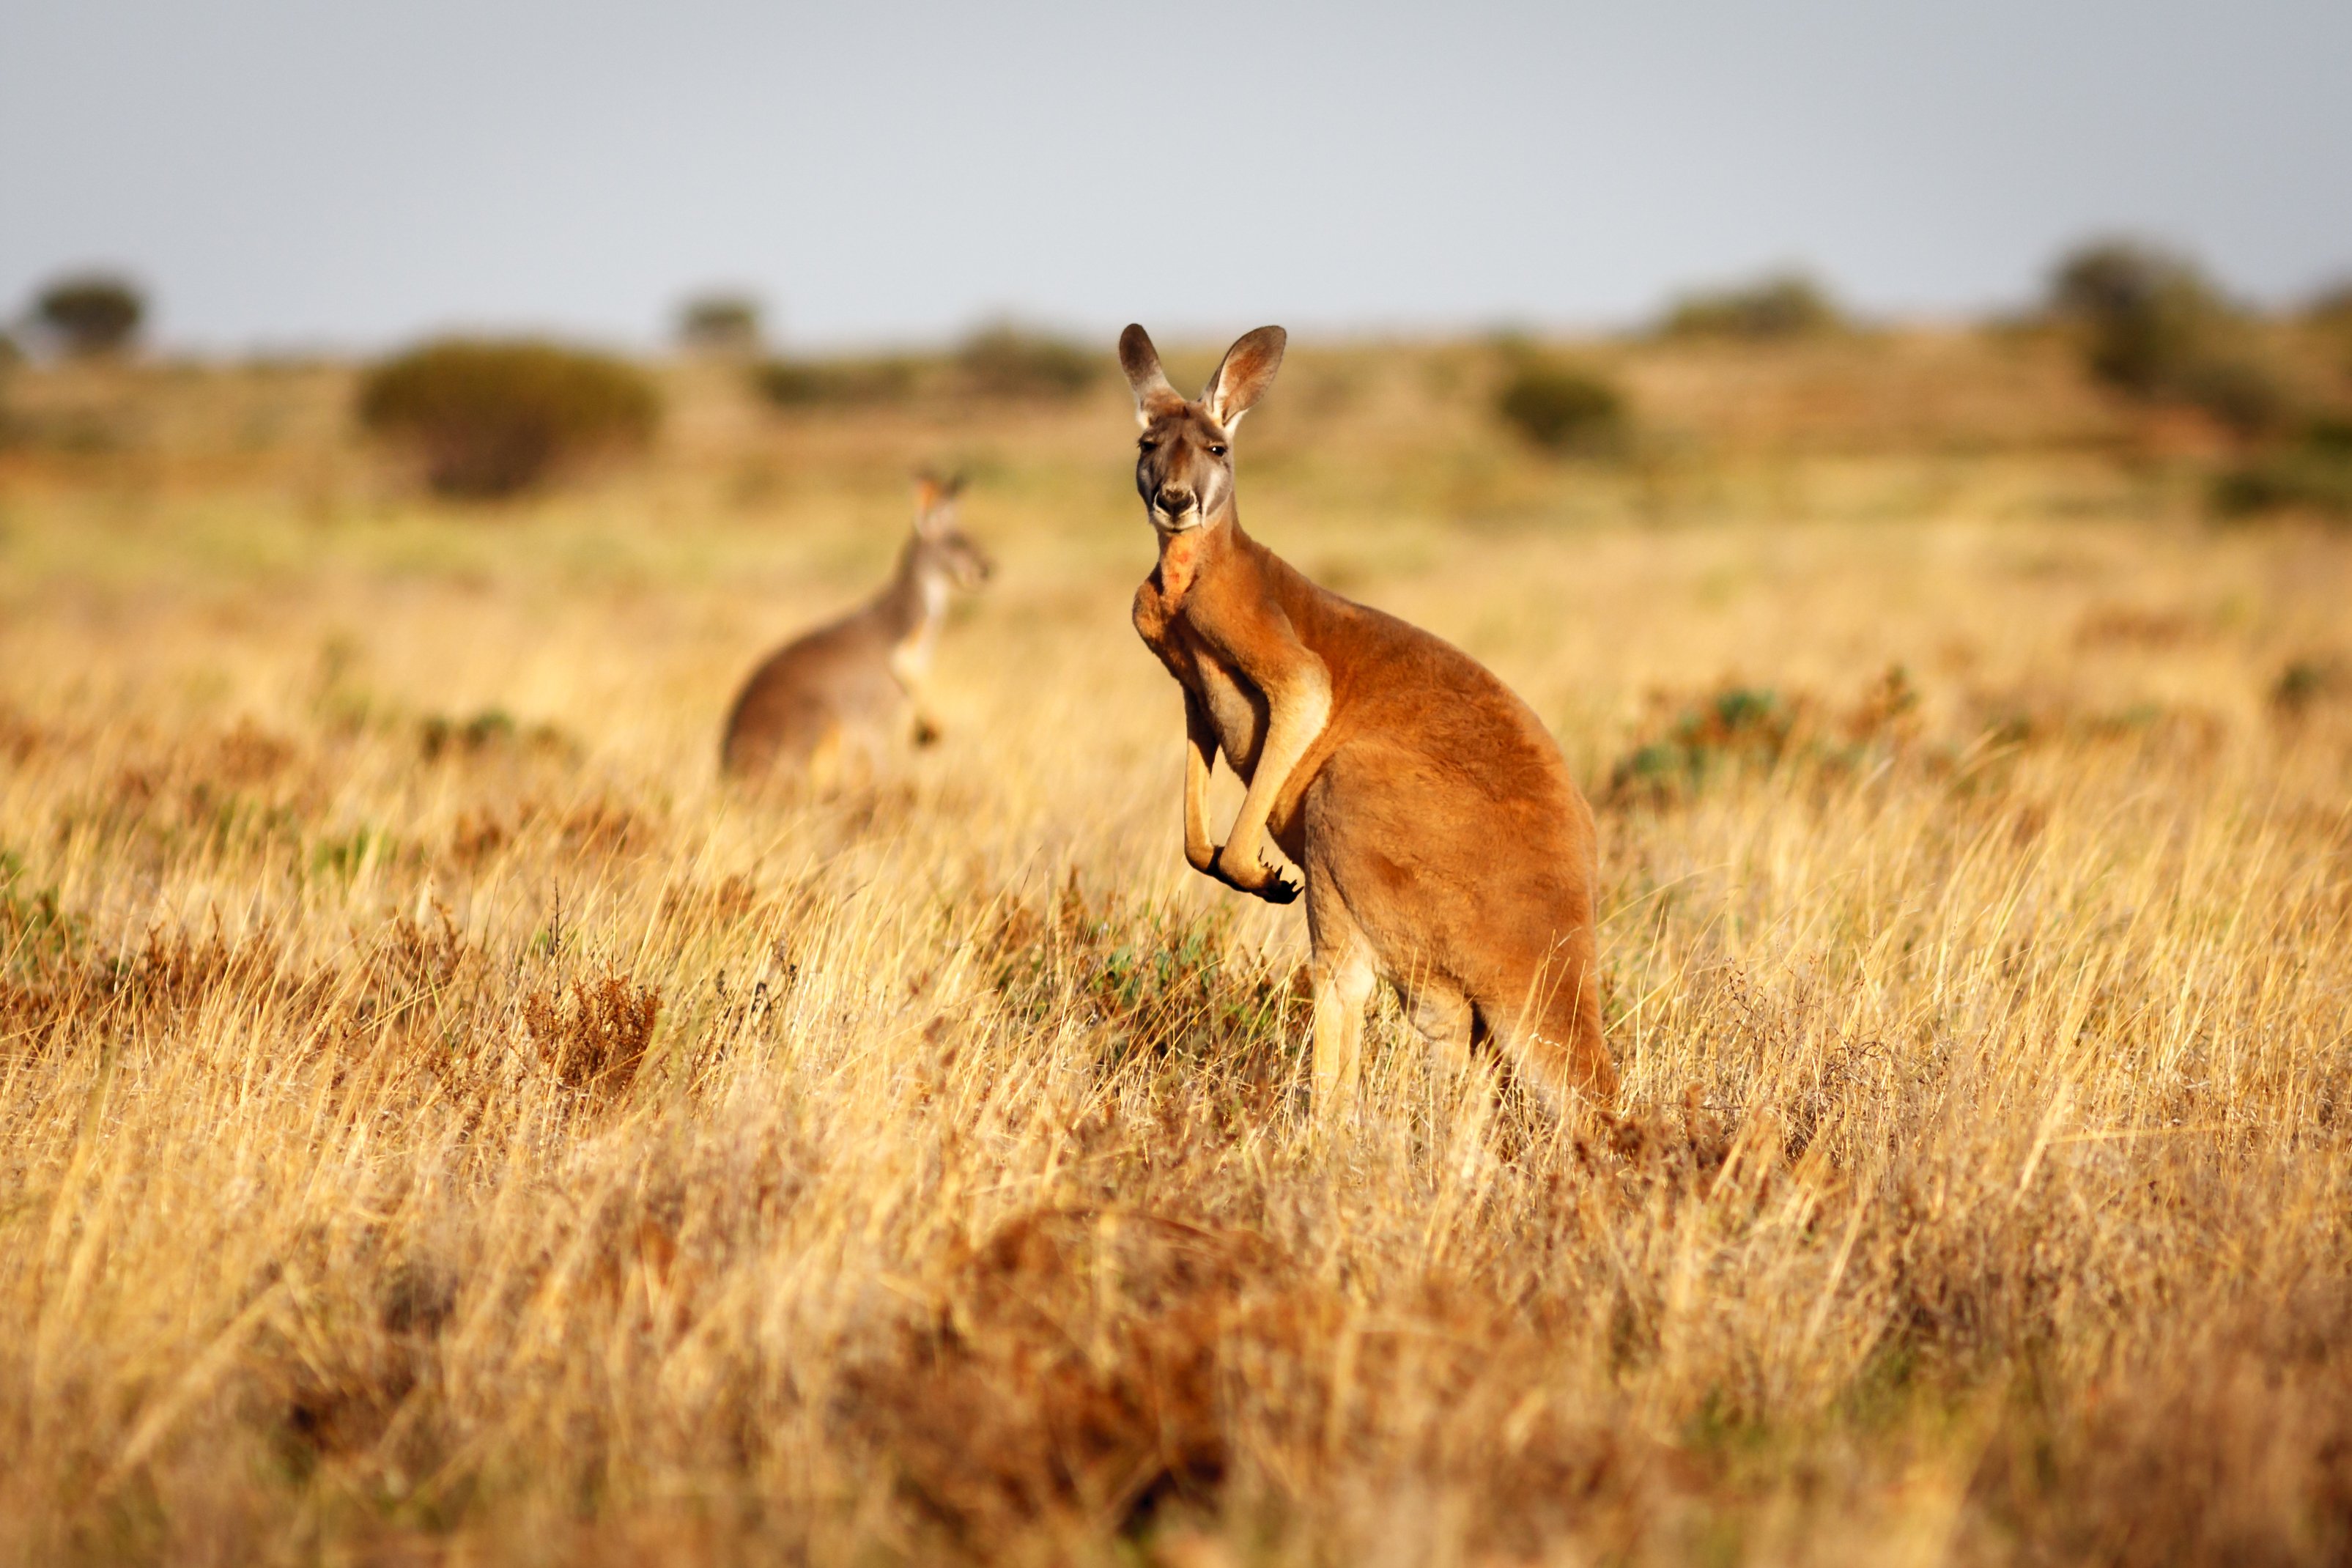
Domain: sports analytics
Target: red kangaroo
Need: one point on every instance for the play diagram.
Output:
(1429, 815)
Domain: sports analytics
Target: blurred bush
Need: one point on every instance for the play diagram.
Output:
(2308, 683)
(1739, 728)
(719, 324)
(1788, 305)
(1000, 363)
(2332, 306)
(1562, 409)
(2312, 475)
(11, 356)
(1007, 360)
(1733, 728)
(492, 418)
(836, 383)
(90, 313)
(2155, 327)
(2148, 314)
(2238, 387)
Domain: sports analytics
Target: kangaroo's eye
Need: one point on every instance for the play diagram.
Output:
(1149, 445)
(1216, 450)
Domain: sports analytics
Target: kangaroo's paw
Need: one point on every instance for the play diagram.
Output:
(1275, 884)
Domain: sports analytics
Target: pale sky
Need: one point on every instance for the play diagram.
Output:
(288, 174)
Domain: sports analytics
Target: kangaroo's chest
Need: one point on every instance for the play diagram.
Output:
(911, 651)
(1236, 709)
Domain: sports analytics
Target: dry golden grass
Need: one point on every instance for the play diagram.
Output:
(438, 1119)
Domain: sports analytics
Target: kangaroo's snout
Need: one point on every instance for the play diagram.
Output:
(1173, 499)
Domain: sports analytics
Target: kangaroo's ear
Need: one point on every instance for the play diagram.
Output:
(934, 501)
(1244, 374)
(1153, 394)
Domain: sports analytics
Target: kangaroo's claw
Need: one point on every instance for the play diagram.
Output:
(1281, 886)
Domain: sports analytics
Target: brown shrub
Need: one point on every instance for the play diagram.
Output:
(596, 1040)
(1073, 1371)
(2239, 1454)
(604, 827)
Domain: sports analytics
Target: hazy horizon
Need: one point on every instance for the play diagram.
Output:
(279, 176)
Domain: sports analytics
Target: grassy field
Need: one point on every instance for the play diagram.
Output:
(438, 1120)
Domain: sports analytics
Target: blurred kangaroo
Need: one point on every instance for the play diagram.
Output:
(827, 705)
(1443, 846)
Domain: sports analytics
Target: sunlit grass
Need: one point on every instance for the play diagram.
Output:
(436, 1116)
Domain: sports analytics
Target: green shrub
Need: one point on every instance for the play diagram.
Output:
(2314, 475)
(2155, 327)
(2331, 306)
(1005, 360)
(2148, 313)
(836, 383)
(2330, 437)
(997, 363)
(1737, 726)
(2239, 389)
(492, 418)
(1737, 730)
(91, 313)
(1789, 305)
(2306, 683)
(719, 323)
(1561, 409)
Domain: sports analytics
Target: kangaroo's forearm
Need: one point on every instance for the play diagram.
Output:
(1294, 718)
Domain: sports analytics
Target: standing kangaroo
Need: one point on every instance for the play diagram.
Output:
(831, 702)
(1444, 846)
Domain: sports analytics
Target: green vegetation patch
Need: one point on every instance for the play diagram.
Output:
(1785, 305)
(496, 419)
(2152, 325)
(2313, 475)
(1564, 410)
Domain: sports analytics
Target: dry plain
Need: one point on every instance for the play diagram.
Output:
(438, 1120)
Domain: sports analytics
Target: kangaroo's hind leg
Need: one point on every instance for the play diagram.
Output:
(1467, 1075)
(1441, 1014)
(1341, 966)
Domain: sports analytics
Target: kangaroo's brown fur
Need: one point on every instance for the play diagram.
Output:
(1443, 845)
(829, 704)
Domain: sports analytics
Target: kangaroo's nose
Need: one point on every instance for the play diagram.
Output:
(1175, 500)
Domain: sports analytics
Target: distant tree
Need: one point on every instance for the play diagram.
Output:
(491, 418)
(2148, 314)
(1561, 409)
(2154, 326)
(1789, 305)
(90, 313)
(721, 324)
